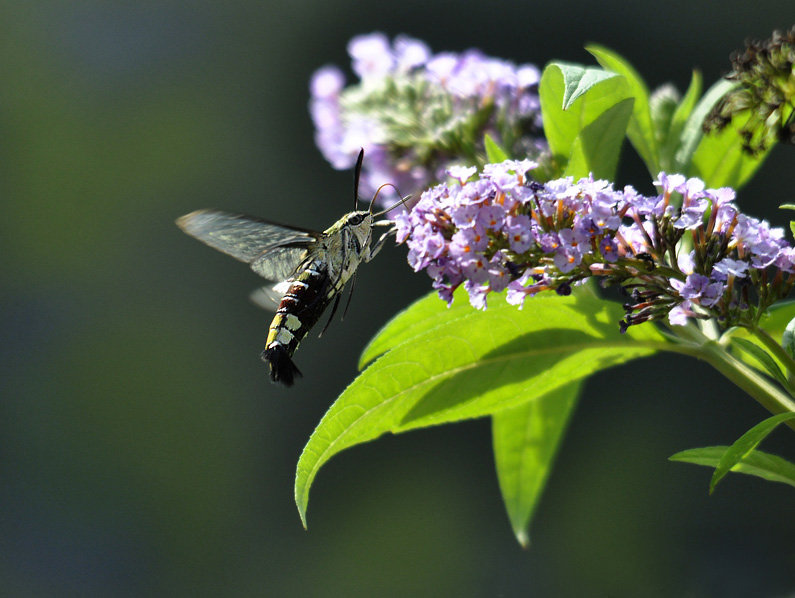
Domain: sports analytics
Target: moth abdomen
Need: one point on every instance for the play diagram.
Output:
(299, 310)
(281, 364)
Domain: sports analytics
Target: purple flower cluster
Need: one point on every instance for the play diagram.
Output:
(415, 113)
(505, 231)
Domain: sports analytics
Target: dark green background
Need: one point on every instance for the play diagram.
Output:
(143, 450)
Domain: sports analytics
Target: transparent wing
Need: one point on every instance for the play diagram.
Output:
(267, 298)
(273, 250)
(279, 263)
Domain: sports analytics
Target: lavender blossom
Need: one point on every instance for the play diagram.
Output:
(416, 113)
(504, 230)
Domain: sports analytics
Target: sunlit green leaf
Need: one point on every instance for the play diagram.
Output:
(445, 365)
(721, 161)
(596, 149)
(757, 463)
(573, 97)
(640, 130)
(673, 139)
(691, 132)
(788, 338)
(525, 441)
(763, 357)
(774, 323)
(494, 152)
(745, 444)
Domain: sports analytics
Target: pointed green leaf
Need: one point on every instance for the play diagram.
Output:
(762, 357)
(494, 152)
(572, 97)
(777, 318)
(596, 149)
(691, 132)
(788, 338)
(757, 463)
(673, 139)
(745, 444)
(525, 440)
(721, 161)
(578, 80)
(774, 322)
(414, 321)
(640, 130)
(663, 103)
(447, 365)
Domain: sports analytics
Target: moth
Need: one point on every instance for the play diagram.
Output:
(307, 270)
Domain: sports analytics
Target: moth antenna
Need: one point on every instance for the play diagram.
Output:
(356, 174)
(377, 191)
(393, 206)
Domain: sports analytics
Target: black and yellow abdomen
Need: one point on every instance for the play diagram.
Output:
(307, 297)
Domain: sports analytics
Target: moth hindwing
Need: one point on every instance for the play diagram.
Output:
(307, 270)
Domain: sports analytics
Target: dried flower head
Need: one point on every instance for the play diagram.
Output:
(764, 95)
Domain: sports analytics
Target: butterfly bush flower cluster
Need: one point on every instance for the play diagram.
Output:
(504, 230)
(415, 113)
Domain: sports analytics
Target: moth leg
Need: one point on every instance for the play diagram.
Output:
(333, 311)
(379, 245)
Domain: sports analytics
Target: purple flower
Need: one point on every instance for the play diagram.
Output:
(491, 217)
(729, 267)
(469, 240)
(504, 231)
(409, 103)
(518, 229)
(698, 286)
(371, 55)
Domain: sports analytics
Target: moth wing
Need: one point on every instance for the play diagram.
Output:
(280, 262)
(267, 297)
(273, 250)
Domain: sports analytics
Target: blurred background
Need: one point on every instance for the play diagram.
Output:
(143, 450)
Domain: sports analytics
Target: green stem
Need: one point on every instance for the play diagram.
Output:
(767, 394)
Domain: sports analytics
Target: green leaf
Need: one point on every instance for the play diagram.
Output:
(763, 465)
(672, 141)
(596, 149)
(788, 338)
(721, 161)
(572, 98)
(745, 444)
(778, 317)
(578, 81)
(787, 206)
(717, 158)
(691, 132)
(763, 357)
(640, 130)
(525, 441)
(774, 322)
(444, 365)
(494, 152)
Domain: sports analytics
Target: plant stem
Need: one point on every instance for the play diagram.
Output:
(767, 394)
